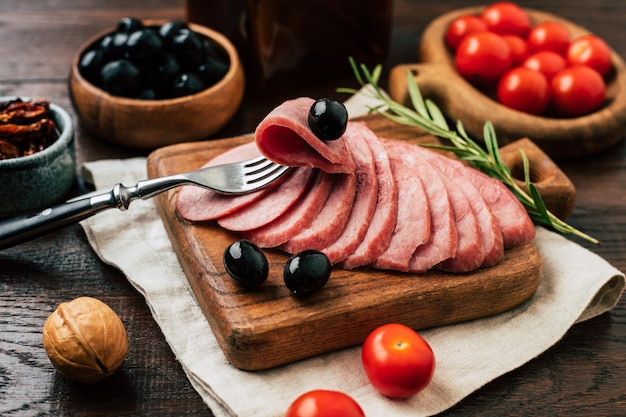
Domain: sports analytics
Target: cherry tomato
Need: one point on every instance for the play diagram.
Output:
(324, 403)
(577, 91)
(525, 90)
(549, 36)
(518, 47)
(506, 18)
(483, 57)
(592, 51)
(397, 361)
(463, 26)
(547, 62)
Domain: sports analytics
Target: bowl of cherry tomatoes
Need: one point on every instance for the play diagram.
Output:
(532, 74)
(147, 84)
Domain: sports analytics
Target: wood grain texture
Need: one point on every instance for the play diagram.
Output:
(584, 374)
(561, 138)
(269, 326)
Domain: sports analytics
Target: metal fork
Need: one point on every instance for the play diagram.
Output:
(233, 179)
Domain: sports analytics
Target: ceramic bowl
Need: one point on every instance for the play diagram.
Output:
(35, 181)
(560, 138)
(151, 124)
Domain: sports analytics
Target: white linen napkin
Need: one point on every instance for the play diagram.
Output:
(576, 285)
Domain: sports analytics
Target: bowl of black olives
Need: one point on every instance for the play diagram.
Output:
(147, 84)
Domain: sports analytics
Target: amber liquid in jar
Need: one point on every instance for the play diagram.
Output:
(286, 41)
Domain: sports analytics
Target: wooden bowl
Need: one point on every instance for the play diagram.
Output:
(151, 124)
(560, 138)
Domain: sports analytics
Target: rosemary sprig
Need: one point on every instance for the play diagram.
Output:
(429, 117)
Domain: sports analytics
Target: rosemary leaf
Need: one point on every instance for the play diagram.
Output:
(427, 116)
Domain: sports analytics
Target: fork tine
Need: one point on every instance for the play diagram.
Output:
(266, 171)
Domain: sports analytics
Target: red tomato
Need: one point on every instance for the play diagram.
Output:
(549, 36)
(525, 90)
(463, 26)
(506, 18)
(547, 62)
(324, 403)
(577, 91)
(518, 47)
(592, 51)
(483, 57)
(397, 361)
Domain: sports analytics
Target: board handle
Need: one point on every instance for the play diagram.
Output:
(556, 189)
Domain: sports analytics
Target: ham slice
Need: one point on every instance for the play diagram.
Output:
(271, 205)
(330, 222)
(470, 253)
(284, 137)
(491, 233)
(383, 222)
(413, 218)
(297, 218)
(199, 204)
(443, 241)
(364, 204)
(517, 227)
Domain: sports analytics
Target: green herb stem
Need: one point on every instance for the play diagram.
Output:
(426, 115)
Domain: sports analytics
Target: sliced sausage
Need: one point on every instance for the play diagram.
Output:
(295, 219)
(284, 136)
(413, 218)
(383, 222)
(199, 204)
(271, 205)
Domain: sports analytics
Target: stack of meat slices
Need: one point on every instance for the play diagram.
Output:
(364, 200)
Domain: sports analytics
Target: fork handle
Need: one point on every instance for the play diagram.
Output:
(20, 229)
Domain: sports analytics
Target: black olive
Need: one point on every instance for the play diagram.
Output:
(188, 47)
(165, 70)
(328, 118)
(187, 83)
(246, 263)
(143, 45)
(212, 70)
(168, 30)
(147, 94)
(121, 78)
(129, 24)
(90, 64)
(307, 272)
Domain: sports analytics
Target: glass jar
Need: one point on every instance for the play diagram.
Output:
(299, 41)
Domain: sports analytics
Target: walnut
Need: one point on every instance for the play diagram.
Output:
(85, 340)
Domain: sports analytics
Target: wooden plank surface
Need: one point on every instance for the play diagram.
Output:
(268, 327)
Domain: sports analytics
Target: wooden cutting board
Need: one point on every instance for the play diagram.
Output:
(269, 326)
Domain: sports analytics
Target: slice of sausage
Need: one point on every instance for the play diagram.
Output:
(364, 204)
(517, 227)
(470, 252)
(383, 222)
(295, 219)
(284, 137)
(491, 233)
(330, 222)
(199, 204)
(271, 205)
(443, 241)
(413, 219)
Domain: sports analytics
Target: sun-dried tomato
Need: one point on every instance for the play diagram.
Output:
(25, 127)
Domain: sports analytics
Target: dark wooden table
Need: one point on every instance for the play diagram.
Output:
(583, 374)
